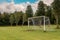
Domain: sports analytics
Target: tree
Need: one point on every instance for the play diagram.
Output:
(0, 19)
(29, 11)
(24, 18)
(11, 19)
(56, 11)
(5, 18)
(41, 9)
(21, 18)
(49, 14)
(17, 17)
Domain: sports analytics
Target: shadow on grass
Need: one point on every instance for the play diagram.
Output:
(33, 30)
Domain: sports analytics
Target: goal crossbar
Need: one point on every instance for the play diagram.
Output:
(37, 17)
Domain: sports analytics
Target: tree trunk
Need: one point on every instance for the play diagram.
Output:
(11, 25)
(22, 23)
(16, 24)
(57, 22)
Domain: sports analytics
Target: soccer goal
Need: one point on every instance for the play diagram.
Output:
(39, 22)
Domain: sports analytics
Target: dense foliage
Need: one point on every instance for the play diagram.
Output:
(40, 10)
(56, 10)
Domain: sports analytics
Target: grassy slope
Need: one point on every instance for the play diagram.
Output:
(20, 33)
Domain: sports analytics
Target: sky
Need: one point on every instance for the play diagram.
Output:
(18, 1)
(10, 6)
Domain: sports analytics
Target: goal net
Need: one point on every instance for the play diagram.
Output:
(39, 22)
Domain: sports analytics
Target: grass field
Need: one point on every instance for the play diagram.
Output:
(21, 33)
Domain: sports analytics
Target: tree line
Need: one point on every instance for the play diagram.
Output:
(20, 18)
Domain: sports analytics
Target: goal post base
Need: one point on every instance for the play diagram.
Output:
(44, 31)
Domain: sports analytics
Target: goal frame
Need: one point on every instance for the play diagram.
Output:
(44, 27)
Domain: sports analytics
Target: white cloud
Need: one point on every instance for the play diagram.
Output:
(11, 7)
(48, 2)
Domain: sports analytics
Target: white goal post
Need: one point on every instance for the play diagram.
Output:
(39, 20)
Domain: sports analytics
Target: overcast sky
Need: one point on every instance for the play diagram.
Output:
(11, 6)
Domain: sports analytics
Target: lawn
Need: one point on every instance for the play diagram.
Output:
(21, 33)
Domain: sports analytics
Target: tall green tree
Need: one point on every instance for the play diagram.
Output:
(17, 16)
(5, 18)
(0, 19)
(49, 14)
(56, 11)
(21, 18)
(24, 18)
(29, 11)
(41, 9)
(11, 19)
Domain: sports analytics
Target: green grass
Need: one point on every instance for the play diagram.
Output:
(21, 33)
